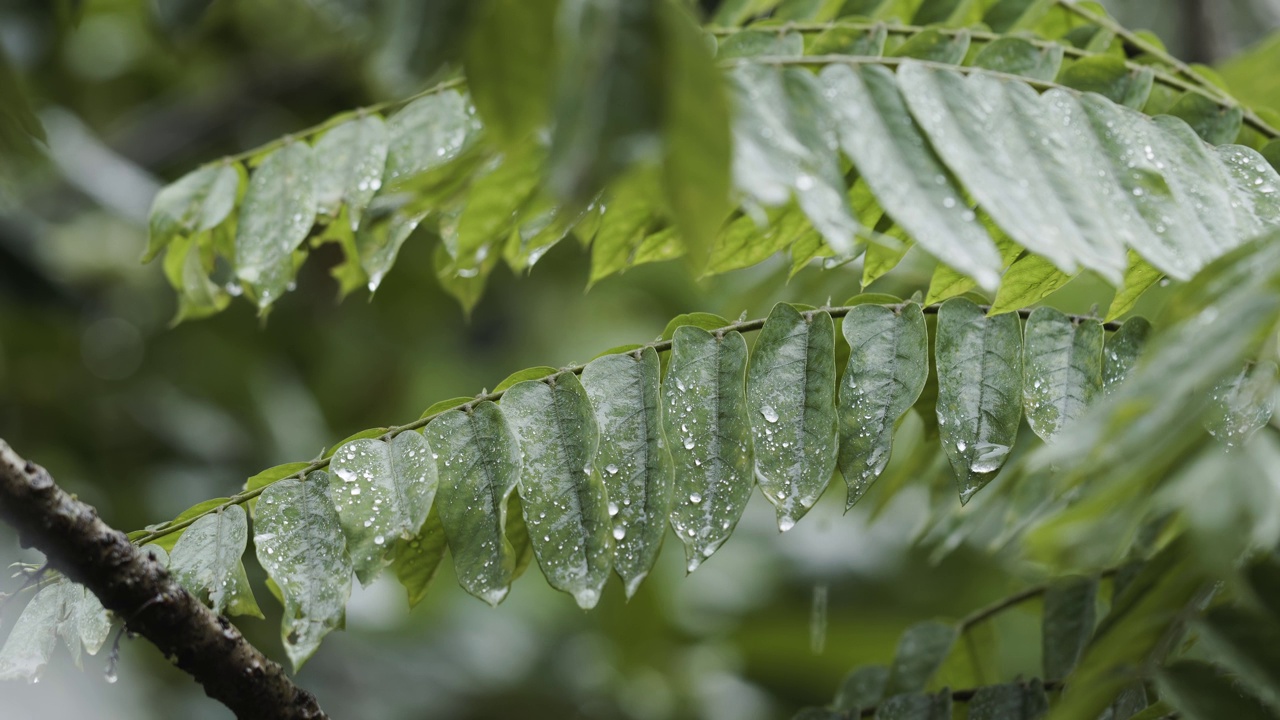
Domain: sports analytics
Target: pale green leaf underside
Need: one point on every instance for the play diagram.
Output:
(206, 560)
(1062, 370)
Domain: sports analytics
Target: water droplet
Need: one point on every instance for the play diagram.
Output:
(785, 523)
(613, 509)
(619, 532)
(769, 413)
(695, 498)
(611, 469)
(378, 540)
(688, 443)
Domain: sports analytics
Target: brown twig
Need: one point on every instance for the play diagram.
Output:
(136, 588)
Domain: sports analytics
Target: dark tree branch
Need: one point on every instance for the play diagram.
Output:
(135, 588)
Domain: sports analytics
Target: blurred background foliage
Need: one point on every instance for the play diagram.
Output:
(143, 420)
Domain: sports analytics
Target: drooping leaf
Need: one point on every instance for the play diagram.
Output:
(782, 135)
(629, 213)
(1062, 371)
(1122, 350)
(791, 400)
(1110, 77)
(478, 461)
(633, 457)
(1243, 404)
(1248, 644)
(1070, 612)
(206, 561)
(426, 134)
(887, 370)
(492, 203)
(979, 361)
(197, 202)
(278, 211)
(742, 242)
(904, 173)
(697, 143)
(862, 688)
(1214, 123)
(508, 60)
(921, 651)
(31, 642)
(1013, 701)
(1018, 56)
(1028, 280)
(416, 560)
(349, 161)
(385, 495)
(1139, 278)
(934, 45)
(300, 544)
(709, 433)
(1201, 691)
(564, 498)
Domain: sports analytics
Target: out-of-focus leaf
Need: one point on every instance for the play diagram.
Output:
(1070, 612)
(1201, 691)
(508, 60)
(921, 651)
(277, 213)
(1122, 350)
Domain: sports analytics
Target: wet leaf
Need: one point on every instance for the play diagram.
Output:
(1018, 56)
(791, 400)
(1122, 350)
(915, 706)
(349, 161)
(633, 457)
(564, 498)
(416, 560)
(206, 561)
(862, 688)
(1070, 612)
(1243, 404)
(300, 544)
(196, 202)
(710, 437)
(1062, 371)
(887, 370)
(1013, 701)
(921, 651)
(979, 361)
(277, 213)
(478, 461)
(31, 641)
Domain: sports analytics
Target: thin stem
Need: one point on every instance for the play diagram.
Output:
(981, 615)
(658, 345)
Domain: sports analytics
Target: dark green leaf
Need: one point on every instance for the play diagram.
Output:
(915, 706)
(1211, 121)
(862, 688)
(206, 560)
(1014, 701)
(1110, 77)
(1062, 371)
(921, 651)
(508, 60)
(416, 560)
(1201, 691)
(1017, 56)
(1122, 350)
(1070, 612)
(276, 216)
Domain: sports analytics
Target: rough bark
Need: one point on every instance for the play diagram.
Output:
(138, 590)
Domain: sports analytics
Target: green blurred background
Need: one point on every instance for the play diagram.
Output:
(143, 420)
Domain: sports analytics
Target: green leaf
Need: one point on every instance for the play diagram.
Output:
(1139, 278)
(493, 201)
(710, 437)
(782, 132)
(1110, 77)
(1243, 404)
(508, 62)
(385, 495)
(349, 161)
(275, 217)
(367, 433)
(979, 361)
(1214, 123)
(1009, 15)
(848, 40)
(1017, 56)
(883, 257)
(697, 144)
(887, 370)
(479, 465)
(565, 503)
(465, 285)
(533, 373)
(625, 223)
(450, 404)
(1248, 644)
(1201, 691)
(168, 541)
(427, 134)
(197, 202)
(300, 544)
(1062, 371)
(705, 321)
(31, 641)
(935, 45)
(915, 706)
(1027, 281)
(760, 43)
(1070, 612)
(947, 283)
(416, 560)
(518, 535)
(742, 242)
(633, 457)
(791, 401)
(609, 93)
(1122, 351)
(206, 561)
(862, 688)
(990, 134)
(921, 651)
(906, 176)
(1013, 701)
